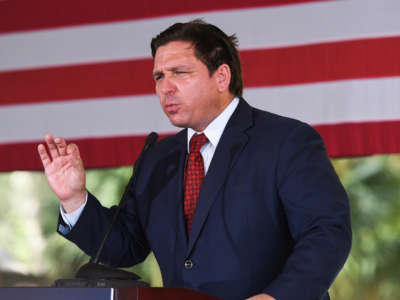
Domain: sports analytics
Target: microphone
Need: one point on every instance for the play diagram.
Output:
(150, 140)
(93, 274)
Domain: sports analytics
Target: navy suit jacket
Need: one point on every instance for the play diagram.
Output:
(272, 215)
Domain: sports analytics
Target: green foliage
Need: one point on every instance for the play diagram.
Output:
(31, 252)
(373, 186)
(28, 238)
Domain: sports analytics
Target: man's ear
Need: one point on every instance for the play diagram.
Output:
(223, 77)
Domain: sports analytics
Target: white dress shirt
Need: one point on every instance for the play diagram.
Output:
(213, 132)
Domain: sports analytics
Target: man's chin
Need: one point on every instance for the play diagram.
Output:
(178, 123)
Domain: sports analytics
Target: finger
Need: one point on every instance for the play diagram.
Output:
(52, 146)
(74, 151)
(61, 145)
(46, 161)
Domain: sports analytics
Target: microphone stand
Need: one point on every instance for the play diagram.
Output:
(94, 274)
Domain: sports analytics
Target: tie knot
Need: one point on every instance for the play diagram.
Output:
(197, 141)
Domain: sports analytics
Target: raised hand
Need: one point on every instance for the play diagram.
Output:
(64, 171)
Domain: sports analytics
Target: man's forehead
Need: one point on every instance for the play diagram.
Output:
(174, 54)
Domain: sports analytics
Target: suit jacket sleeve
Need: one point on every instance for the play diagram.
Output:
(126, 244)
(318, 215)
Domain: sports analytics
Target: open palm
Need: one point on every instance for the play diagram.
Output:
(64, 170)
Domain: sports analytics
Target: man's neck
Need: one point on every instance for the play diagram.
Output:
(215, 129)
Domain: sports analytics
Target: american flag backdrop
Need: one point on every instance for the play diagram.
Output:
(82, 70)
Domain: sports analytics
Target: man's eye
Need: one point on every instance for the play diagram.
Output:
(157, 77)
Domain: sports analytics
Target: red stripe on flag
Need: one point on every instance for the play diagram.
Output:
(74, 82)
(356, 139)
(350, 139)
(95, 152)
(369, 58)
(30, 15)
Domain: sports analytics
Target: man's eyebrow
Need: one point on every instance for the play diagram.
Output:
(173, 69)
(180, 67)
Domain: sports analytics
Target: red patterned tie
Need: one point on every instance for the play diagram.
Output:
(194, 175)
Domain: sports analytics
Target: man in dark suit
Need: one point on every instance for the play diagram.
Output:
(271, 220)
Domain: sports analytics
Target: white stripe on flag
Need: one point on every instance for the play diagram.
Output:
(321, 103)
(332, 102)
(256, 28)
(87, 118)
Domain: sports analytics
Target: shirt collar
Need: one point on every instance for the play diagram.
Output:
(214, 130)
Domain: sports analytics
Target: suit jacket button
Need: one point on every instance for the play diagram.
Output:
(188, 264)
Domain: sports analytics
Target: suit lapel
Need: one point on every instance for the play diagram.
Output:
(231, 144)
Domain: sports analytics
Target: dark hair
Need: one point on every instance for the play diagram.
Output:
(211, 45)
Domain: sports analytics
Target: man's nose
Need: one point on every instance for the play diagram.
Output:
(167, 86)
